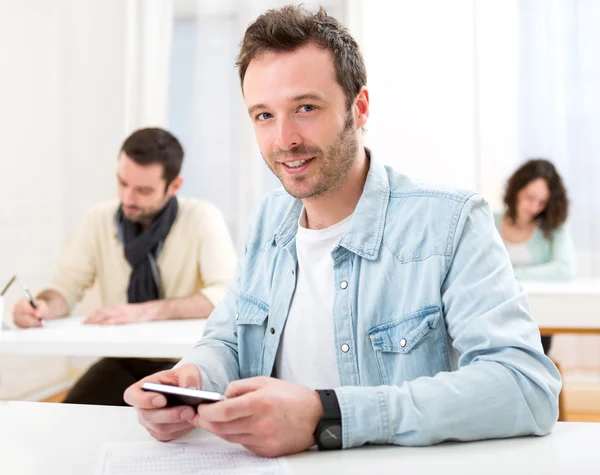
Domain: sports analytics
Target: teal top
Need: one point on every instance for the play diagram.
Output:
(552, 259)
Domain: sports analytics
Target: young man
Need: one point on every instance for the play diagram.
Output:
(396, 300)
(154, 256)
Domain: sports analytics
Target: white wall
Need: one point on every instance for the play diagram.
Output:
(443, 78)
(93, 112)
(61, 124)
(420, 64)
(31, 136)
(496, 95)
(62, 120)
(31, 216)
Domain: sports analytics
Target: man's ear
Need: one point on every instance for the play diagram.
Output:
(361, 108)
(175, 185)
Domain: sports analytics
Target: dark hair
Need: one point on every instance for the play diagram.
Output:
(290, 27)
(154, 145)
(557, 208)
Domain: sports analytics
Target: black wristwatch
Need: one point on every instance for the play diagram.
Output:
(328, 434)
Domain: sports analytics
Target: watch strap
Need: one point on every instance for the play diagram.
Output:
(331, 406)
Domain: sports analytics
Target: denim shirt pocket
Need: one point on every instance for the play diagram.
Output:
(251, 323)
(406, 348)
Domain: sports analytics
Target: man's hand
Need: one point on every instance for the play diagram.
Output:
(137, 312)
(25, 316)
(164, 423)
(267, 416)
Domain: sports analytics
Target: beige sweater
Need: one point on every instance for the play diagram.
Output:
(197, 254)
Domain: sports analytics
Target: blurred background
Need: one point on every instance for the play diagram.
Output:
(462, 92)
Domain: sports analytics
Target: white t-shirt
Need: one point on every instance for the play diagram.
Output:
(306, 354)
(519, 254)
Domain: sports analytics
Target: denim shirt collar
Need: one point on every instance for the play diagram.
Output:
(365, 233)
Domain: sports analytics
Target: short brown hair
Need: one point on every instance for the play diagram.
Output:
(557, 208)
(154, 145)
(290, 27)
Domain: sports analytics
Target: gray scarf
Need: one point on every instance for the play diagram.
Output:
(142, 249)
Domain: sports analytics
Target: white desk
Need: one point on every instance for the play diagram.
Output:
(565, 307)
(70, 337)
(65, 439)
(570, 307)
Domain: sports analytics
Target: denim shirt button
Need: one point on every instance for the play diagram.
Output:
(344, 284)
(345, 348)
(403, 342)
(237, 316)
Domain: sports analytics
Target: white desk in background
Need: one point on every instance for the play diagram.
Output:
(570, 307)
(67, 439)
(565, 307)
(70, 337)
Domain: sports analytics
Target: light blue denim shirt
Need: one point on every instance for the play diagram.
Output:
(434, 339)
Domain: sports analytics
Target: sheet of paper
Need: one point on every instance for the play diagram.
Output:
(197, 457)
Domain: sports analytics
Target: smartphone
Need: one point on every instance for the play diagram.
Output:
(177, 396)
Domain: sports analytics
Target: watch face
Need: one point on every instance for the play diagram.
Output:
(330, 436)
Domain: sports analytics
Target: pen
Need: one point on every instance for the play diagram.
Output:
(28, 295)
(7, 286)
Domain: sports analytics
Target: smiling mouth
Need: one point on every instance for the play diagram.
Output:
(296, 163)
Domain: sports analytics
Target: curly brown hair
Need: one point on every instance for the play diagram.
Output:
(291, 27)
(557, 208)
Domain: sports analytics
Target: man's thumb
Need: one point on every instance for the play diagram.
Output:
(243, 386)
(189, 377)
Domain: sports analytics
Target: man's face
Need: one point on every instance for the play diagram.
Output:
(305, 133)
(141, 189)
